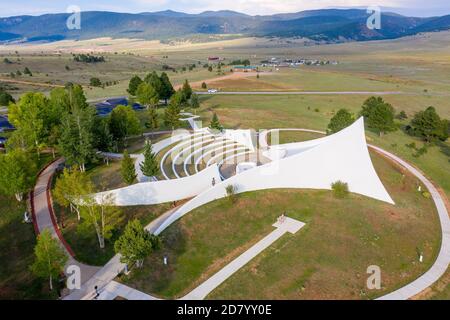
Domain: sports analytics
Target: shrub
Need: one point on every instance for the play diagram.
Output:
(95, 82)
(420, 152)
(402, 115)
(426, 195)
(231, 193)
(340, 189)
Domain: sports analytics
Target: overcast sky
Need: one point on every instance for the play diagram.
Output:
(36, 7)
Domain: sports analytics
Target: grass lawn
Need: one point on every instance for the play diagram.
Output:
(84, 242)
(17, 241)
(291, 136)
(441, 291)
(107, 177)
(438, 291)
(327, 259)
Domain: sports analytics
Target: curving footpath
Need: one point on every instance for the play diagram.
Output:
(44, 217)
(443, 260)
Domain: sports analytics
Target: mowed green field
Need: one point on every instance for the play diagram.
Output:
(325, 260)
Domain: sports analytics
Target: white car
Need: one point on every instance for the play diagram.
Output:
(213, 91)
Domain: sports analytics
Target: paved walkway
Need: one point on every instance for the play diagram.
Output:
(117, 290)
(200, 293)
(44, 218)
(111, 270)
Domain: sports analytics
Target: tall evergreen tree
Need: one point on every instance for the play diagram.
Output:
(379, 115)
(168, 89)
(135, 81)
(215, 123)
(127, 169)
(150, 166)
(429, 126)
(341, 120)
(172, 115)
(5, 98)
(155, 81)
(187, 91)
(195, 102)
(152, 119)
(76, 142)
(103, 138)
(135, 244)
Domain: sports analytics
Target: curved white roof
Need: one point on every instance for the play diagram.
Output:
(315, 164)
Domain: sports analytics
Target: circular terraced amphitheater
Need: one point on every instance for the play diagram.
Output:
(203, 149)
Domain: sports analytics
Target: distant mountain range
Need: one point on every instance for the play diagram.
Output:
(329, 25)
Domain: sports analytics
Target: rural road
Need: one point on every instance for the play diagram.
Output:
(377, 93)
(309, 93)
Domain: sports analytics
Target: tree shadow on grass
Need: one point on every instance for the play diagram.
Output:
(17, 241)
(445, 149)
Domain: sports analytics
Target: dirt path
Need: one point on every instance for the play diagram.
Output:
(231, 76)
(31, 83)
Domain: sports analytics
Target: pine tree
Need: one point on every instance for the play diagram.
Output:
(172, 115)
(149, 167)
(429, 126)
(195, 103)
(76, 140)
(50, 258)
(155, 81)
(341, 120)
(77, 137)
(187, 91)
(135, 81)
(215, 123)
(127, 170)
(135, 244)
(379, 115)
(152, 122)
(168, 89)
